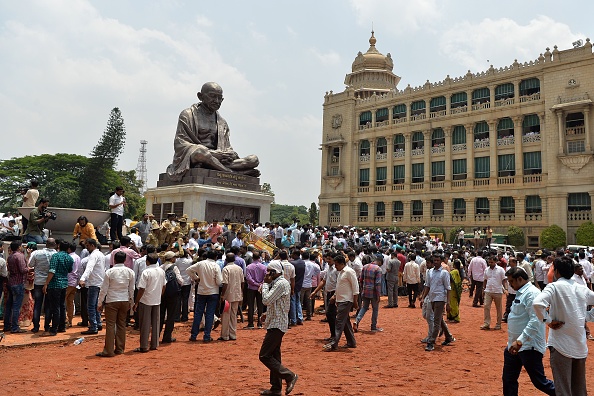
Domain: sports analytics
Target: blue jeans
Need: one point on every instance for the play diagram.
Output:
(13, 307)
(532, 362)
(365, 306)
(205, 305)
(35, 238)
(92, 300)
(39, 297)
(296, 310)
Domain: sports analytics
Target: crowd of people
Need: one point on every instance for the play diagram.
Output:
(160, 272)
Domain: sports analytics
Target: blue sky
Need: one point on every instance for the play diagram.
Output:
(66, 63)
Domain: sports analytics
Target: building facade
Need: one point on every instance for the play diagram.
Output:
(506, 146)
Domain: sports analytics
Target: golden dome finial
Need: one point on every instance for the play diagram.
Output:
(372, 39)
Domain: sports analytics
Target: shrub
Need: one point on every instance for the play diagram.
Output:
(553, 237)
(585, 234)
(515, 236)
(453, 235)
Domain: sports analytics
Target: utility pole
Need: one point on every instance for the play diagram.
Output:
(141, 167)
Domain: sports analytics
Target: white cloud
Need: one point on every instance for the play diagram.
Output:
(201, 20)
(396, 16)
(500, 41)
(328, 58)
(291, 31)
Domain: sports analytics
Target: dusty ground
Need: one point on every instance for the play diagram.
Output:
(388, 363)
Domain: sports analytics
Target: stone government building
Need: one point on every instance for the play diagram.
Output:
(506, 146)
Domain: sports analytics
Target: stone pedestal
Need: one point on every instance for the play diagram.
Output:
(208, 195)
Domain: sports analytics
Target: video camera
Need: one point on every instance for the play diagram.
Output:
(49, 214)
(22, 190)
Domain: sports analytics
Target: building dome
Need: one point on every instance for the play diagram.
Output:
(372, 59)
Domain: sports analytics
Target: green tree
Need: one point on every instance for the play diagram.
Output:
(59, 177)
(553, 237)
(285, 214)
(267, 189)
(515, 236)
(313, 213)
(99, 176)
(585, 234)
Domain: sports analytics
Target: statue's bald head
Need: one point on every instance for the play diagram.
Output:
(210, 87)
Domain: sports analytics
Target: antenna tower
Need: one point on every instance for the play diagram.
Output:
(141, 167)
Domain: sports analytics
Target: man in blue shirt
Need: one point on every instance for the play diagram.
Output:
(526, 338)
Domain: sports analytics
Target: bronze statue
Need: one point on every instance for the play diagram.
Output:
(202, 139)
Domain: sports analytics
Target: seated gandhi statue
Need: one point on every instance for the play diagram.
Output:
(202, 139)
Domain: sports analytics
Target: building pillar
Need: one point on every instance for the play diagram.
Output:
(492, 96)
(427, 158)
(372, 145)
(470, 205)
(406, 211)
(493, 171)
(448, 210)
(518, 142)
(469, 100)
(447, 131)
(494, 209)
(390, 162)
(587, 127)
(543, 145)
(426, 212)
(448, 103)
(516, 91)
(408, 160)
(469, 151)
(520, 205)
(561, 130)
(559, 215)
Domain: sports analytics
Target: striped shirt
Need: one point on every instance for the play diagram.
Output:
(277, 298)
(60, 265)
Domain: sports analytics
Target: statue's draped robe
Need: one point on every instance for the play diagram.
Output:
(186, 140)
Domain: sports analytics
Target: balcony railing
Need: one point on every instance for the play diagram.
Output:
(506, 141)
(416, 117)
(379, 219)
(437, 114)
(459, 183)
(335, 219)
(382, 123)
(381, 156)
(419, 151)
(481, 217)
(417, 186)
(507, 217)
(362, 219)
(531, 138)
(506, 180)
(532, 179)
(363, 189)
(396, 219)
(582, 215)
(437, 218)
(481, 106)
(459, 217)
(399, 120)
(480, 182)
(533, 217)
(399, 154)
(456, 148)
(398, 187)
(481, 144)
(437, 185)
(579, 130)
(530, 98)
(504, 102)
(365, 126)
(416, 219)
(438, 150)
(380, 188)
(364, 158)
(458, 110)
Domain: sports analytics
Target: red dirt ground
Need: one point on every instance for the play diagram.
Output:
(389, 363)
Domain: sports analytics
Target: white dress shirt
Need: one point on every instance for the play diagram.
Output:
(95, 269)
(347, 285)
(152, 281)
(118, 285)
(209, 274)
(494, 278)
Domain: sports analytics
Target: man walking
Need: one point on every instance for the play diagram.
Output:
(476, 274)
(526, 338)
(566, 302)
(232, 293)
(495, 283)
(17, 273)
(371, 289)
(118, 292)
(392, 269)
(276, 295)
(437, 287)
(208, 273)
(92, 279)
(412, 278)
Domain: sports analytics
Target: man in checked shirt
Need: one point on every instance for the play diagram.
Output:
(276, 295)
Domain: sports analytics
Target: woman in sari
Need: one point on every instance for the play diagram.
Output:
(456, 293)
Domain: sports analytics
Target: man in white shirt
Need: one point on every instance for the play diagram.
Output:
(209, 274)
(116, 203)
(412, 277)
(311, 269)
(118, 292)
(566, 302)
(476, 274)
(587, 266)
(346, 298)
(148, 302)
(495, 286)
(540, 269)
(232, 293)
(92, 279)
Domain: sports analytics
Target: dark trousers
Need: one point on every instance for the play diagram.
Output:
(182, 312)
(84, 310)
(56, 298)
(478, 294)
(438, 322)
(413, 290)
(531, 360)
(254, 299)
(343, 323)
(169, 307)
(117, 222)
(331, 314)
(306, 302)
(541, 284)
(508, 303)
(270, 356)
(39, 297)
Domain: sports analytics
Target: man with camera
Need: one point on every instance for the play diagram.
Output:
(37, 219)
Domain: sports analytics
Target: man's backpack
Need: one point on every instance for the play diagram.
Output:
(172, 288)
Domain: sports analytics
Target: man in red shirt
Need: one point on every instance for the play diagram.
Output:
(214, 230)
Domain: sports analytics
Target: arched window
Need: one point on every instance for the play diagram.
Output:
(363, 209)
(382, 146)
(437, 138)
(482, 206)
(398, 143)
(399, 111)
(437, 104)
(459, 135)
(365, 118)
(507, 205)
(504, 91)
(417, 107)
(382, 115)
(418, 141)
(459, 99)
(365, 148)
(529, 86)
(481, 95)
(481, 131)
(531, 125)
(505, 128)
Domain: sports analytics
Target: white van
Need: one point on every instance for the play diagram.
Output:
(504, 248)
(576, 248)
